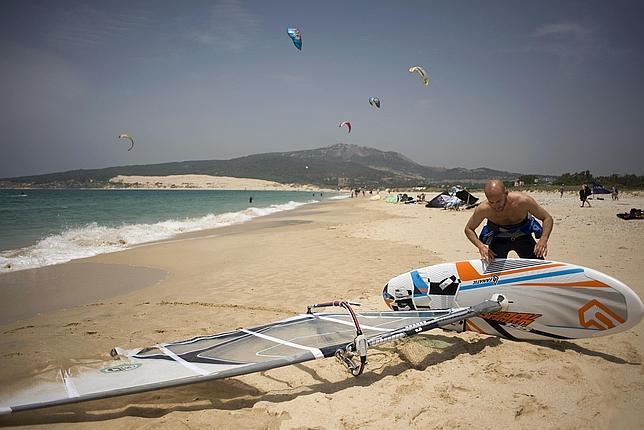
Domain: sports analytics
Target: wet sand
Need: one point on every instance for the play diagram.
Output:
(26, 293)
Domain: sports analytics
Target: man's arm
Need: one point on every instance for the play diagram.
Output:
(541, 248)
(475, 220)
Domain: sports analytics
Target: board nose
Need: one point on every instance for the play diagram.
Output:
(388, 298)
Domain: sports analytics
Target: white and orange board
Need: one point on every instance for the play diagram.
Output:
(546, 299)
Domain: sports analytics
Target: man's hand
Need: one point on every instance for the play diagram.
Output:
(487, 254)
(541, 248)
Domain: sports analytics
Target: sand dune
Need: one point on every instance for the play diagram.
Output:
(206, 182)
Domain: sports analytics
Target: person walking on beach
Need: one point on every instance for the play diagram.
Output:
(510, 224)
(584, 192)
(561, 191)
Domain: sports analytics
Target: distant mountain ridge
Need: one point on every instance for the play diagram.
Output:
(332, 166)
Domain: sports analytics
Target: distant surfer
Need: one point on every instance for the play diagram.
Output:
(510, 224)
(250, 199)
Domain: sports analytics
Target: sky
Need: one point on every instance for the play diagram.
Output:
(541, 87)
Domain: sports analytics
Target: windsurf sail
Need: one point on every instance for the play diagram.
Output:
(293, 340)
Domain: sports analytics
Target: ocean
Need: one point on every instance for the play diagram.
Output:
(44, 227)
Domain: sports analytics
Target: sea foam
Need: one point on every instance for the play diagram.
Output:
(340, 197)
(93, 239)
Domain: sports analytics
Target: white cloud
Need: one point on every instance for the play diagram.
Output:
(564, 29)
(85, 26)
(569, 41)
(231, 27)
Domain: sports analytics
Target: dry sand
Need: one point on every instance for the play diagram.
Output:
(273, 267)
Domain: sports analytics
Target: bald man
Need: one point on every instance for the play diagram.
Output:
(510, 224)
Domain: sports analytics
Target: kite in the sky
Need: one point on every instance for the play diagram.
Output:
(346, 123)
(374, 101)
(421, 72)
(128, 137)
(296, 36)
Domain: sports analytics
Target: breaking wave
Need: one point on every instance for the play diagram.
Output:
(93, 239)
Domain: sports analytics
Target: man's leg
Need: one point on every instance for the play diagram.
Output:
(524, 246)
(500, 247)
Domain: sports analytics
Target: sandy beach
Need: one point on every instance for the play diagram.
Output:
(271, 268)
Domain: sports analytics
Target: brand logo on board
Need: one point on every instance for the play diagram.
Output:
(598, 315)
(522, 319)
(493, 279)
(121, 368)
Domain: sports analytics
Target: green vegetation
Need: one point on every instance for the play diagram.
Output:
(339, 165)
(577, 178)
(585, 177)
(529, 179)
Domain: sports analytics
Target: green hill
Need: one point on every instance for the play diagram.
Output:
(332, 166)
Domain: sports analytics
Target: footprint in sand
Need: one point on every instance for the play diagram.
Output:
(529, 406)
(18, 329)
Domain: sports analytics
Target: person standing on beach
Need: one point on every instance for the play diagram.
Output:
(561, 191)
(584, 192)
(510, 224)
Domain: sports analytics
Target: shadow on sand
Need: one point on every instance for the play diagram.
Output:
(564, 346)
(233, 394)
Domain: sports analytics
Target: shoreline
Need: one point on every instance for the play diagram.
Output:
(302, 190)
(256, 212)
(20, 290)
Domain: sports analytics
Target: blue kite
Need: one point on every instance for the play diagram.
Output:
(296, 36)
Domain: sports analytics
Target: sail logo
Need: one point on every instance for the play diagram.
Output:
(121, 368)
(598, 315)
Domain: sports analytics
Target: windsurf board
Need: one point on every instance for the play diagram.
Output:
(546, 299)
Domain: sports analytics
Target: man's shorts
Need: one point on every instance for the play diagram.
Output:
(522, 245)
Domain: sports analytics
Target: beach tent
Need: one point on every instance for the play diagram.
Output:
(453, 203)
(450, 199)
(599, 189)
(439, 201)
(467, 198)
